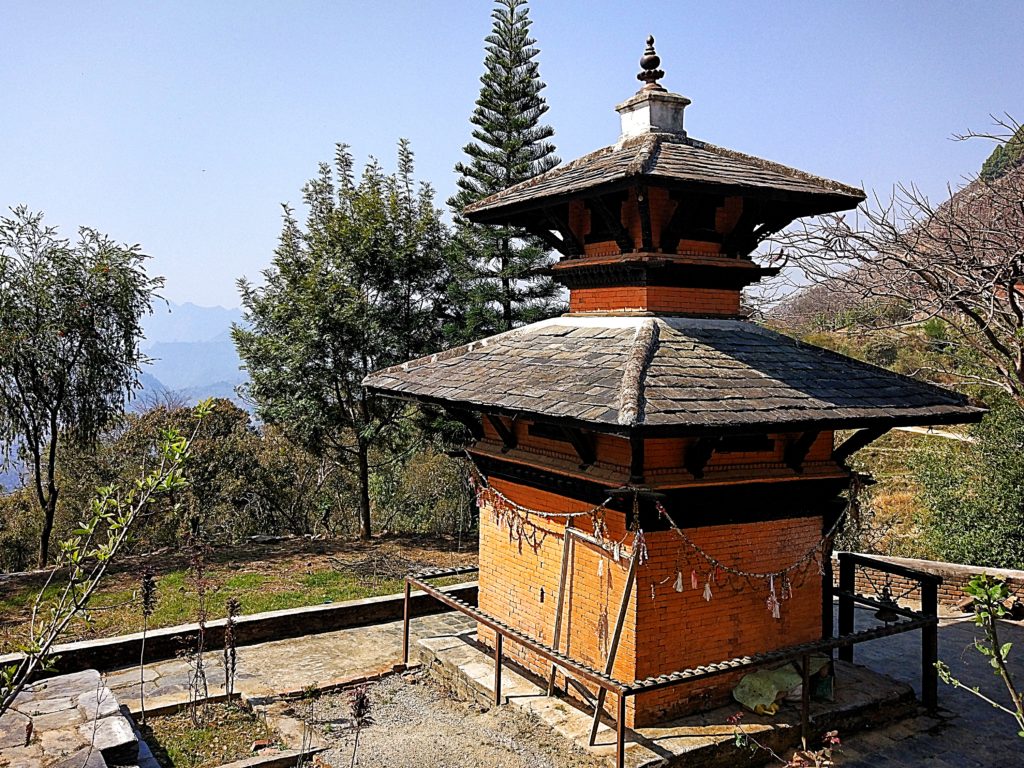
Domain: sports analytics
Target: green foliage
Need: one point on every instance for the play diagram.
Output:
(990, 595)
(70, 326)
(975, 491)
(358, 289)
(495, 285)
(1004, 157)
(19, 530)
(426, 494)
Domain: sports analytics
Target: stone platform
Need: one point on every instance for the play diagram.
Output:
(862, 698)
(70, 721)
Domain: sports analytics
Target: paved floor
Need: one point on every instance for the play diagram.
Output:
(281, 666)
(967, 733)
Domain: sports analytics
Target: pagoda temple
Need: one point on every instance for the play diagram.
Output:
(659, 478)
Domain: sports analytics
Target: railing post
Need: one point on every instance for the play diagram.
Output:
(805, 699)
(827, 592)
(930, 646)
(405, 625)
(847, 586)
(620, 732)
(498, 639)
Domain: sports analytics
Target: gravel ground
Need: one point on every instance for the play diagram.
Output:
(415, 724)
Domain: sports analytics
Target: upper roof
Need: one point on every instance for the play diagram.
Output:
(668, 374)
(673, 160)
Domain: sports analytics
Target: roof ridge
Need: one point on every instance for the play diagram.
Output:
(631, 391)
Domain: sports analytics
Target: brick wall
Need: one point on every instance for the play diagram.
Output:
(710, 302)
(519, 572)
(954, 577)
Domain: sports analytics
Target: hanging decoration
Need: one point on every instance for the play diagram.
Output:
(516, 516)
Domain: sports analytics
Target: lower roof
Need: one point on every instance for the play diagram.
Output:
(668, 375)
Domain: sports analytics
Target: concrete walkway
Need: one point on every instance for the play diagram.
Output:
(327, 659)
(967, 732)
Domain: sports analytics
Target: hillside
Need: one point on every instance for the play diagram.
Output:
(191, 353)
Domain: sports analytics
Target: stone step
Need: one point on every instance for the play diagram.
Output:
(68, 721)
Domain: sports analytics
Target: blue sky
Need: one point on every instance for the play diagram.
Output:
(183, 125)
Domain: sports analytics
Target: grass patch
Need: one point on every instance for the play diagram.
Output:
(262, 581)
(227, 733)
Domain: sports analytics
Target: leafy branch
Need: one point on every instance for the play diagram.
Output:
(990, 595)
(87, 553)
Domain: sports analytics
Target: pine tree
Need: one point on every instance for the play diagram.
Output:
(497, 286)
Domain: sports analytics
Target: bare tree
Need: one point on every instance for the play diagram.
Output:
(961, 261)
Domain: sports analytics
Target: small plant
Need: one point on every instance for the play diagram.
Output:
(310, 696)
(199, 691)
(234, 608)
(147, 592)
(990, 595)
(359, 714)
(823, 757)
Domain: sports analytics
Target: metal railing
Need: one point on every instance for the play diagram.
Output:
(925, 620)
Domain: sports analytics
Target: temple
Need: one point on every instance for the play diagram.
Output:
(659, 478)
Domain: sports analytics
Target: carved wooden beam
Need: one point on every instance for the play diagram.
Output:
(572, 243)
(469, 420)
(796, 452)
(612, 222)
(552, 242)
(856, 441)
(507, 433)
(644, 206)
(583, 444)
(699, 454)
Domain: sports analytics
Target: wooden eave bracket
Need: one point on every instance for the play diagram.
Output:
(612, 222)
(699, 454)
(469, 420)
(583, 444)
(636, 458)
(859, 439)
(796, 452)
(643, 202)
(507, 433)
(552, 242)
(571, 245)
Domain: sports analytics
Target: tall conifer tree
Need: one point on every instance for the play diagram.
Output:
(499, 288)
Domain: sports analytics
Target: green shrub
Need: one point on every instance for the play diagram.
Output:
(974, 492)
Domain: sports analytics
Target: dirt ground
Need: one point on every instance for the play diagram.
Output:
(415, 724)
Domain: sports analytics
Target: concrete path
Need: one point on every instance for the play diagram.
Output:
(967, 733)
(327, 659)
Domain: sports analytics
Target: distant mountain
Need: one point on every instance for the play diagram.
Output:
(188, 322)
(192, 353)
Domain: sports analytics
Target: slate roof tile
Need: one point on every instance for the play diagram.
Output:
(700, 374)
(671, 158)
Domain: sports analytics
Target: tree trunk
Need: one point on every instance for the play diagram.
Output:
(49, 511)
(506, 287)
(364, 491)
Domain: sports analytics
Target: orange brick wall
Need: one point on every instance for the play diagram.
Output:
(657, 298)
(679, 630)
(519, 571)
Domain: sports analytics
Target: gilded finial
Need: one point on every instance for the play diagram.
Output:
(650, 74)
